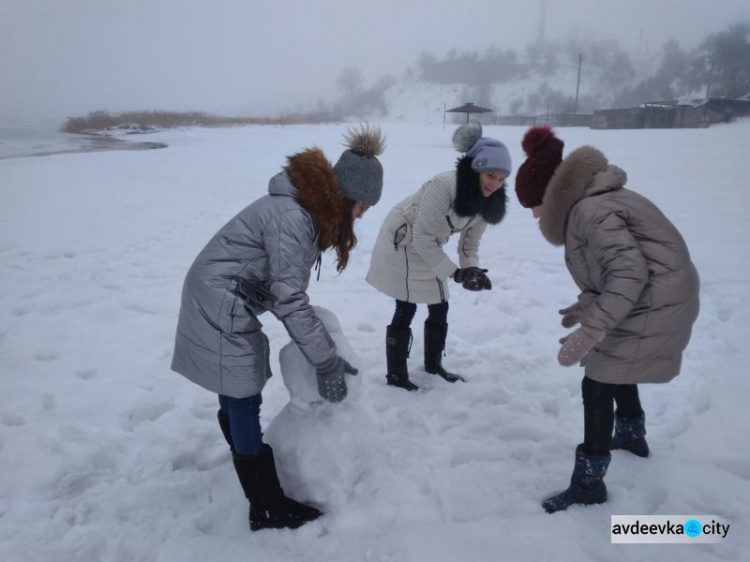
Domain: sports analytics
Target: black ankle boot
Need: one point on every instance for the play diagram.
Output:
(630, 435)
(397, 345)
(434, 345)
(269, 507)
(586, 485)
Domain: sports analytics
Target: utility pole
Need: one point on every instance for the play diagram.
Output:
(578, 82)
(710, 80)
(542, 24)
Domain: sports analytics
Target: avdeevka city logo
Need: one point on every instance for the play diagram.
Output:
(693, 528)
(683, 529)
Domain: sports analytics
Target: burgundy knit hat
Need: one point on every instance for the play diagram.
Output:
(544, 154)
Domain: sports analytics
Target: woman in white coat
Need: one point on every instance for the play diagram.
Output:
(409, 263)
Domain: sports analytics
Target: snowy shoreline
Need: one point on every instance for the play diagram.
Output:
(87, 143)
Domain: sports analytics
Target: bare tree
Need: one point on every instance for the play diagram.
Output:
(350, 83)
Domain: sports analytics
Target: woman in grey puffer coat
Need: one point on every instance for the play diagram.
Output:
(260, 261)
(639, 296)
(409, 263)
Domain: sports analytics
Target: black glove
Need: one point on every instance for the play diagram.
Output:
(331, 383)
(473, 279)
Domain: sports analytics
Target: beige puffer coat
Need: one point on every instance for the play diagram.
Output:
(637, 281)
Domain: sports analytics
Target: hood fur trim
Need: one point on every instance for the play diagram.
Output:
(567, 187)
(494, 206)
(469, 199)
(318, 187)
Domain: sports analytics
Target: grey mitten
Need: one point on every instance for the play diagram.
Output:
(570, 315)
(577, 344)
(331, 383)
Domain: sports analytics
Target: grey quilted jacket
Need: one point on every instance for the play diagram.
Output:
(259, 261)
(632, 266)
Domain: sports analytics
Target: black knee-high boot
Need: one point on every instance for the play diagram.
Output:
(397, 344)
(269, 507)
(434, 345)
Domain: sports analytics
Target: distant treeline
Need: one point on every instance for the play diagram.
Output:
(719, 66)
(144, 121)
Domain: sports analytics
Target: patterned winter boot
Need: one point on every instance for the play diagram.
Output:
(630, 435)
(586, 485)
(397, 345)
(434, 345)
(269, 507)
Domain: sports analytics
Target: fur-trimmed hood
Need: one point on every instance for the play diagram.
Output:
(317, 185)
(469, 199)
(585, 172)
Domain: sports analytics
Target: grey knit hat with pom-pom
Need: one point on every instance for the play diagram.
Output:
(487, 154)
(359, 172)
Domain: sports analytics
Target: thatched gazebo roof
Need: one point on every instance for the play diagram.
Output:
(468, 108)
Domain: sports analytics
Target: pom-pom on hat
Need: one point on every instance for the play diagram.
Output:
(487, 154)
(544, 154)
(359, 172)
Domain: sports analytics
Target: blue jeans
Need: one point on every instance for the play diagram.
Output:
(244, 421)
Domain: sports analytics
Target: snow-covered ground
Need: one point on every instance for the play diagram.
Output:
(107, 455)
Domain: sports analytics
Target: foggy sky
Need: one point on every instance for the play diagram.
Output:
(254, 57)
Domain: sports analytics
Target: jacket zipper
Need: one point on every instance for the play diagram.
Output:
(440, 286)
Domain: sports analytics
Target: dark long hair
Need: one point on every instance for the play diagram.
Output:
(469, 199)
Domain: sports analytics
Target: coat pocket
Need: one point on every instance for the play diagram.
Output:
(255, 294)
(401, 237)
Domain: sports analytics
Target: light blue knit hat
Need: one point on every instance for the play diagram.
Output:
(487, 154)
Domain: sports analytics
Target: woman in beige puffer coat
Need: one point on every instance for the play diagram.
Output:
(639, 296)
(409, 263)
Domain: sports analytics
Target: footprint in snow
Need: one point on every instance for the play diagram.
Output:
(737, 466)
(10, 419)
(137, 307)
(20, 311)
(146, 413)
(86, 374)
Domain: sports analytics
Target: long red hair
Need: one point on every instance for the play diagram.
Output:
(347, 239)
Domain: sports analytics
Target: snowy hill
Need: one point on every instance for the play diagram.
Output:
(541, 88)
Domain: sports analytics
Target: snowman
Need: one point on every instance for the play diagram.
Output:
(322, 448)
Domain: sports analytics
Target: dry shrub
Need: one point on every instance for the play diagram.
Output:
(102, 121)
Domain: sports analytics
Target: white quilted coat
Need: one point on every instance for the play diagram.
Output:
(408, 261)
